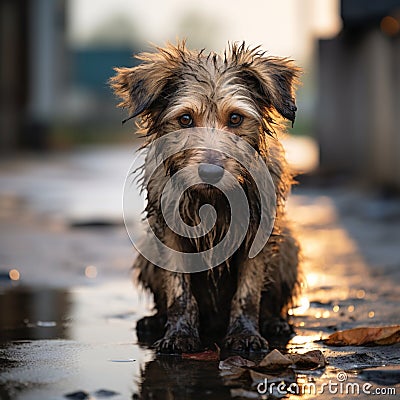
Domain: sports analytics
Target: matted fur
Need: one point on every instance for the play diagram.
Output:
(243, 300)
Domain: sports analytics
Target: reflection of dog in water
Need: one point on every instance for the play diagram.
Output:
(175, 378)
(244, 300)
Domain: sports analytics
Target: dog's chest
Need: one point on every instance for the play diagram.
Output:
(214, 290)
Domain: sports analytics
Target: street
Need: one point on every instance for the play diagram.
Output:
(68, 309)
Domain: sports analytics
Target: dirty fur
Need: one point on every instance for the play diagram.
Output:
(241, 302)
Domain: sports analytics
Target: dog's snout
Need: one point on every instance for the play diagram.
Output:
(210, 173)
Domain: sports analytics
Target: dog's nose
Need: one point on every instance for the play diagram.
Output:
(210, 173)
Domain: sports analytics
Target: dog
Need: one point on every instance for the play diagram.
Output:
(243, 301)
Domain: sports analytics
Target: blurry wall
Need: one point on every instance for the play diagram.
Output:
(49, 86)
(32, 69)
(13, 71)
(358, 118)
(57, 55)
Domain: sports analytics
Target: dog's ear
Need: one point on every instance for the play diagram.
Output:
(276, 79)
(138, 87)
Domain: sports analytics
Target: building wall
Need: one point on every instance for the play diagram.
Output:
(358, 123)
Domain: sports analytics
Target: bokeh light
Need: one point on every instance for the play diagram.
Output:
(91, 272)
(14, 275)
(390, 25)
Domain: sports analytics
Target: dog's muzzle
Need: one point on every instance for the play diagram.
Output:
(210, 173)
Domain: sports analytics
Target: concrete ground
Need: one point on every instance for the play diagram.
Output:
(68, 308)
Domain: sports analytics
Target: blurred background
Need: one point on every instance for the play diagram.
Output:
(65, 256)
(57, 55)
(65, 154)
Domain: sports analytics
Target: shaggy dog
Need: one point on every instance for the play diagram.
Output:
(243, 300)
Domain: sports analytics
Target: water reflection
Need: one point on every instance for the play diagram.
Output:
(176, 378)
(27, 314)
(56, 341)
(96, 326)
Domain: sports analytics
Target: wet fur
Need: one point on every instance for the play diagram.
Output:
(244, 300)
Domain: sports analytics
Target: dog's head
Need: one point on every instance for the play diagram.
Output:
(242, 92)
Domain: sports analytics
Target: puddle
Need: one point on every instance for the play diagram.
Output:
(56, 342)
(28, 314)
(81, 343)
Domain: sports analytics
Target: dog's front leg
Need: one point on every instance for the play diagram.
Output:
(181, 334)
(243, 331)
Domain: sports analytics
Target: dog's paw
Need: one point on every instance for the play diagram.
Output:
(245, 342)
(151, 324)
(274, 328)
(176, 344)
(149, 329)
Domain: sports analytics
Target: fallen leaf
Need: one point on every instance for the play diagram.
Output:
(275, 360)
(233, 368)
(233, 373)
(235, 361)
(208, 355)
(392, 339)
(383, 335)
(312, 359)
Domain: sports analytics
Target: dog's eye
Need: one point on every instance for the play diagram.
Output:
(235, 120)
(185, 120)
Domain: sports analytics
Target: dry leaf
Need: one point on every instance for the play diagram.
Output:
(392, 339)
(235, 362)
(383, 335)
(208, 355)
(233, 368)
(311, 359)
(233, 373)
(275, 360)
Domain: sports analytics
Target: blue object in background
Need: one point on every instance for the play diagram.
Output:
(92, 67)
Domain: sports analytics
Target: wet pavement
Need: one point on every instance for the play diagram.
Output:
(68, 310)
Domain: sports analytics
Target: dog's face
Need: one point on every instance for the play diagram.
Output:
(241, 92)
